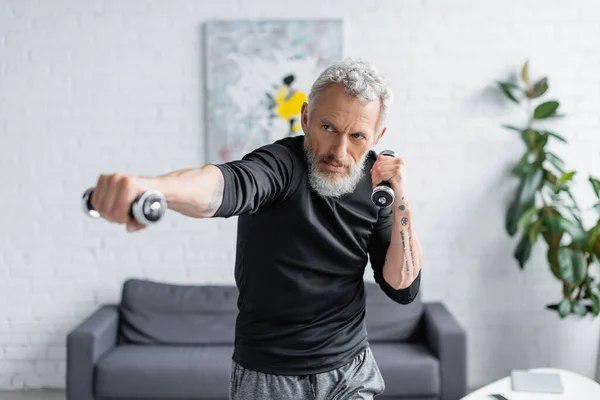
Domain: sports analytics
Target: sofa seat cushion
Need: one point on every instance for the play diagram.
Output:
(164, 372)
(408, 369)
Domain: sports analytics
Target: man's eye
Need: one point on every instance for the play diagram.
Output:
(327, 127)
(358, 136)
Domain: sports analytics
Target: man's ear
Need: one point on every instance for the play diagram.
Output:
(304, 117)
(380, 135)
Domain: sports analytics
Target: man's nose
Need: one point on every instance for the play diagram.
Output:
(339, 149)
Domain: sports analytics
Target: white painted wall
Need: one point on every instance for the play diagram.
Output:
(103, 86)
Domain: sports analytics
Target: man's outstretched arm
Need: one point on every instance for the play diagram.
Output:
(260, 178)
(194, 192)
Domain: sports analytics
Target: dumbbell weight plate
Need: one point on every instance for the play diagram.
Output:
(86, 204)
(383, 195)
(148, 208)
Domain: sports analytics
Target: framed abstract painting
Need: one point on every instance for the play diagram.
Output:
(257, 76)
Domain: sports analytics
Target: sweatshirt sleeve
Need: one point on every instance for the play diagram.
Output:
(261, 178)
(378, 247)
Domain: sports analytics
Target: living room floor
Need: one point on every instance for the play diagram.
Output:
(37, 395)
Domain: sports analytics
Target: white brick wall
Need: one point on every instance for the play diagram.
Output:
(102, 86)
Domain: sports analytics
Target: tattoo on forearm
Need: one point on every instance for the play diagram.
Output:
(217, 197)
(406, 260)
(412, 257)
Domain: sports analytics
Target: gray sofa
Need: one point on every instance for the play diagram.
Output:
(172, 341)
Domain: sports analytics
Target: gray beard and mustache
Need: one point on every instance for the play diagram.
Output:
(320, 181)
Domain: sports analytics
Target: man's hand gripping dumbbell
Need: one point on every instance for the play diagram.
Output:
(120, 199)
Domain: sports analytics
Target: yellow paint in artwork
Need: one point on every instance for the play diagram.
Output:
(289, 105)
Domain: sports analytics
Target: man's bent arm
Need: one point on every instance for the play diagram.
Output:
(404, 255)
(194, 192)
(390, 250)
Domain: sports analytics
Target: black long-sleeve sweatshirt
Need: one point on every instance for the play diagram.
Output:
(300, 262)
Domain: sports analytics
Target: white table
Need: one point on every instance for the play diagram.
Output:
(577, 387)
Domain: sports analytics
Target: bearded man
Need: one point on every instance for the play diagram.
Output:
(307, 228)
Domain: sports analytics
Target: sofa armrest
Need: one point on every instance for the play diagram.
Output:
(86, 343)
(448, 341)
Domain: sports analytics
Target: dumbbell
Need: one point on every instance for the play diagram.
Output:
(383, 195)
(147, 208)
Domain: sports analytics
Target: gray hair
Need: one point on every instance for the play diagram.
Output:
(360, 79)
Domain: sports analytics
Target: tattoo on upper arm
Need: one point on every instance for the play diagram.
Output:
(217, 197)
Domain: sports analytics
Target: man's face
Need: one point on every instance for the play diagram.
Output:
(338, 136)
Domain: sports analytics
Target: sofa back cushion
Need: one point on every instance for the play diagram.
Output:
(388, 321)
(166, 313)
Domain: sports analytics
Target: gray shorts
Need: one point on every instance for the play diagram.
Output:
(358, 379)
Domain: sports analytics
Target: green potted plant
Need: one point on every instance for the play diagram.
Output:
(544, 208)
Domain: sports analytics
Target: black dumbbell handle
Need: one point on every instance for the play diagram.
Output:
(147, 208)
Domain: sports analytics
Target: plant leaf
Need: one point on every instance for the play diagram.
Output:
(525, 73)
(568, 191)
(535, 230)
(596, 249)
(552, 257)
(567, 176)
(579, 308)
(524, 198)
(556, 162)
(550, 178)
(552, 222)
(540, 141)
(564, 308)
(575, 217)
(552, 236)
(512, 218)
(523, 250)
(593, 235)
(511, 85)
(545, 109)
(530, 185)
(595, 185)
(574, 230)
(595, 305)
(557, 136)
(522, 166)
(572, 266)
(506, 88)
(511, 127)
(525, 220)
(539, 88)
(556, 158)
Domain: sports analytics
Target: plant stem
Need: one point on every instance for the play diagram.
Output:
(566, 294)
